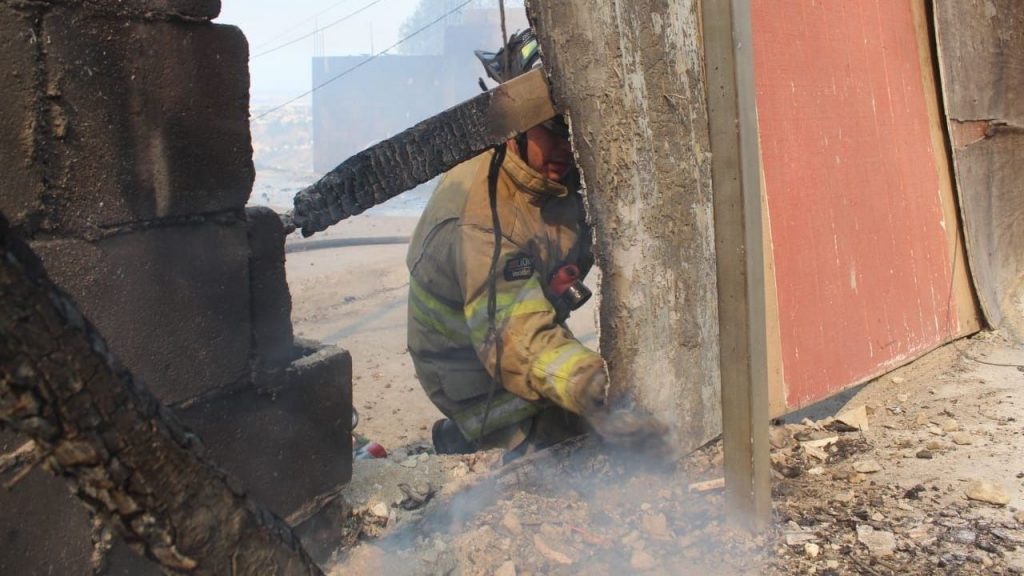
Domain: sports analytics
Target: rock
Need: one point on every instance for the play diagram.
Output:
(915, 492)
(918, 533)
(854, 418)
(410, 462)
(820, 439)
(844, 497)
(832, 564)
(778, 437)
(550, 553)
(949, 425)
(933, 445)
(925, 455)
(797, 537)
(1019, 516)
(633, 538)
(642, 561)
(816, 471)
(902, 397)
(984, 491)
(811, 550)
(964, 536)
(460, 470)
(815, 452)
(380, 510)
(550, 532)
(506, 569)
(878, 542)
(795, 429)
(897, 380)
(963, 439)
(511, 523)
(867, 467)
(656, 526)
(936, 430)
(922, 419)
(878, 517)
(1007, 536)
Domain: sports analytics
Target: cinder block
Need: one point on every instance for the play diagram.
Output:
(21, 175)
(172, 302)
(188, 9)
(155, 116)
(288, 440)
(43, 528)
(272, 340)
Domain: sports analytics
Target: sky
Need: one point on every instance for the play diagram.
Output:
(285, 73)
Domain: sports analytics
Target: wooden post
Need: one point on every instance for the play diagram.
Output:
(735, 176)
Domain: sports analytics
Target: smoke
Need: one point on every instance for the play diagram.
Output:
(580, 507)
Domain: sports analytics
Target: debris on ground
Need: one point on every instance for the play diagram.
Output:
(888, 487)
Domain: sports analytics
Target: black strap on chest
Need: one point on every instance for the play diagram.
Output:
(492, 293)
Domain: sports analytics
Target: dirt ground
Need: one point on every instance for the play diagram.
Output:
(918, 472)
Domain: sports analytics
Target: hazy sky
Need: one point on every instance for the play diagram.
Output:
(285, 73)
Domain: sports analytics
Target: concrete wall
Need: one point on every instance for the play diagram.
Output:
(631, 75)
(125, 161)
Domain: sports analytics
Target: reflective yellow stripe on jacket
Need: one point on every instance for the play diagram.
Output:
(436, 314)
(506, 409)
(554, 370)
(526, 299)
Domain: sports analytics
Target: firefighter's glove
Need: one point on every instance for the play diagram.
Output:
(621, 423)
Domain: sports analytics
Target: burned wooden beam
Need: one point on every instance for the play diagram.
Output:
(420, 153)
(126, 456)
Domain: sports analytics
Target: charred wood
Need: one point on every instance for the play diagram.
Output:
(125, 455)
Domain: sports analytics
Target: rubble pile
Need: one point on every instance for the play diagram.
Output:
(838, 516)
(593, 512)
(879, 489)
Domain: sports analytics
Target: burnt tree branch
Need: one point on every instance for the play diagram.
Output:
(420, 153)
(126, 456)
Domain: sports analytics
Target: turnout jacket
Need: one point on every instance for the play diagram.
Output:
(543, 228)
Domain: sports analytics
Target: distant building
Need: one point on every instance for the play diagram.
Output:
(392, 92)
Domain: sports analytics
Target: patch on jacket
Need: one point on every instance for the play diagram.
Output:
(518, 267)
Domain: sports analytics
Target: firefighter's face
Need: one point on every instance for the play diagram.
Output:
(548, 153)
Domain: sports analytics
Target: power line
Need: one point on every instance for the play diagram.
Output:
(368, 60)
(304, 36)
(288, 30)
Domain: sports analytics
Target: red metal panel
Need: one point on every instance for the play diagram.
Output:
(854, 197)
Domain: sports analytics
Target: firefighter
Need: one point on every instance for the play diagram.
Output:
(496, 263)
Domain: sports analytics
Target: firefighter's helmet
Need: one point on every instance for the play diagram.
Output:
(523, 56)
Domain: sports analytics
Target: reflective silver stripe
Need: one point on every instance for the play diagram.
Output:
(506, 409)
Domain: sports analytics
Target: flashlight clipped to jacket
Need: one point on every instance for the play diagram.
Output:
(565, 284)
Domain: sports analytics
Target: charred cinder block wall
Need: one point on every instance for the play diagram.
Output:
(126, 161)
